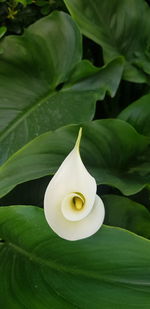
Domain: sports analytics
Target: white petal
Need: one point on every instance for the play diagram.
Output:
(80, 229)
(72, 179)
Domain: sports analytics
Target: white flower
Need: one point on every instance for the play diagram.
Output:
(71, 206)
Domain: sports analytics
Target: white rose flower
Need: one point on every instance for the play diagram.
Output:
(71, 206)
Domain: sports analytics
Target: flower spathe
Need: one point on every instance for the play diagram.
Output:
(71, 206)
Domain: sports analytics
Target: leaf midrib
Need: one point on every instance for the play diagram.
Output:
(13, 124)
(70, 270)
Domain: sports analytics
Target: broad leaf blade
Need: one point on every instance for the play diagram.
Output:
(113, 152)
(41, 62)
(98, 81)
(40, 270)
(125, 213)
(138, 115)
(31, 67)
(114, 25)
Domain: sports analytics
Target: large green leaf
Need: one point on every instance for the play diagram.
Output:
(111, 149)
(121, 28)
(33, 69)
(40, 270)
(138, 115)
(125, 213)
(96, 81)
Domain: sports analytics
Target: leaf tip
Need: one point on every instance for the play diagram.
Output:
(77, 144)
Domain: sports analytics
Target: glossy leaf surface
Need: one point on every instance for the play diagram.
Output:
(40, 270)
(40, 81)
(138, 115)
(125, 213)
(121, 28)
(112, 151)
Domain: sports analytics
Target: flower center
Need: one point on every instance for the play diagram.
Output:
(78, 203)
(73, 206)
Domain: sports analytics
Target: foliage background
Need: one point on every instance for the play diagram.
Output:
(110, 90)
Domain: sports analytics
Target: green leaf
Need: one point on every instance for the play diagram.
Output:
(40, 270)
(38, 61)
(2, 31)
(40, 96)
(115, 25)
(125, 213)
(23, 2)
(113, 152)
(99, 81)
(138, 115)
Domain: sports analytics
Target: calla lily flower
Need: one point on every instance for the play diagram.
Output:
(71, 206)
